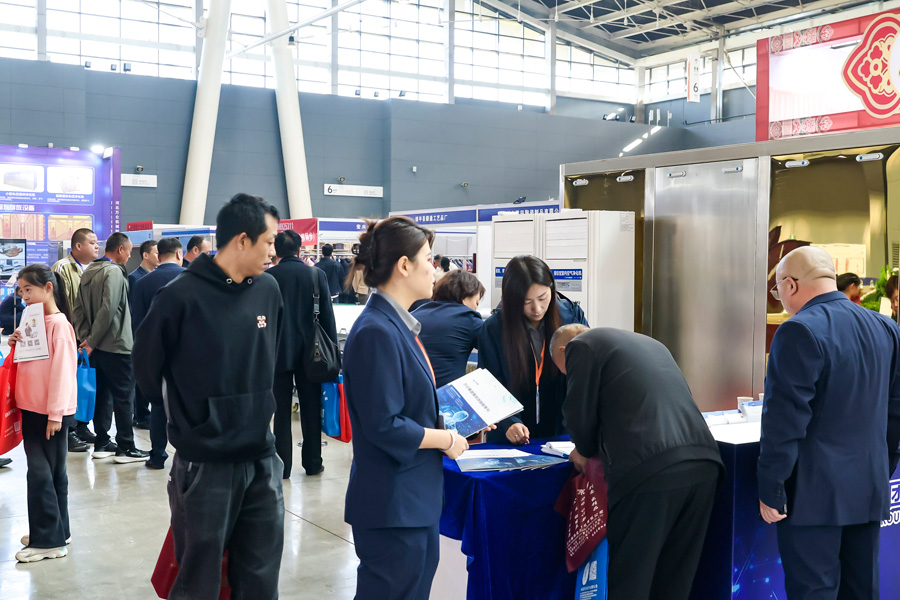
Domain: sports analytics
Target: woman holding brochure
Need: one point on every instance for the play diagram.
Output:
(395, 494)
(514, 347)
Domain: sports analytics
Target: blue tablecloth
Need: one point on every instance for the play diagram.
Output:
(514, 539)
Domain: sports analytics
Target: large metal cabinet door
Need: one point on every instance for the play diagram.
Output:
(703, 280)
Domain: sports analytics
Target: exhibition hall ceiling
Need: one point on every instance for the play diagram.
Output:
(638, 28)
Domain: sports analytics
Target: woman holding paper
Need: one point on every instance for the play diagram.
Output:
(514, 347)
(47, 397)
(395, 494)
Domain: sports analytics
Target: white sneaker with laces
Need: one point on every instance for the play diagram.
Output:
(30, 555)
(27, 538)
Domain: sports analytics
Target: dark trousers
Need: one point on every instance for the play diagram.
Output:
(141, 405)
(655, 539)
(115, 393)
(310, 395)
(234, 506)
(48, 484)
(159, 437)
(830, 563)
(396, 563)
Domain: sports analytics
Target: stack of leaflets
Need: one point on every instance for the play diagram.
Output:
(474, 401)
(504, 460)
(563, 449)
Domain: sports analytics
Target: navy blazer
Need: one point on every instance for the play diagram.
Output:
(391, 398)
(831, 418)
(449, 333)
(553, 387)
(334, 272)
(11, 313)
(144, 290)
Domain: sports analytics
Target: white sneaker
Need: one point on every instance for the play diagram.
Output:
(30, 555)
(27, 538)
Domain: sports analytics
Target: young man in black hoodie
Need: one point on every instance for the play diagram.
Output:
(225, 484)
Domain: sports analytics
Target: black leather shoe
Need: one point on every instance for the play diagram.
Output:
(85, 435)
(142, 424)
(4, 462)
(152, 464)
(319, 472)
(75, 443)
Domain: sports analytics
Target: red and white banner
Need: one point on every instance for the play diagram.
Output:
(839, 77)
(139, 226)
(307, 228)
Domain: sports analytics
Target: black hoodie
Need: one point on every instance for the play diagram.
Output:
(207, 349)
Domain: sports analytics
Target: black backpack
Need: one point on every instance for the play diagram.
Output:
(323, 357)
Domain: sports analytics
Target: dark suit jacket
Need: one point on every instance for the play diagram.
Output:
(553, 387)
(334, 271)
(628, 403)
(449, 333)
(137, 275)
(391, 398)
(144, 290)
(296, 282)
(831, 419)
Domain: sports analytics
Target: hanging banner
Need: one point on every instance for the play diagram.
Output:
(307, 228)
(843, 76)
(692, 68)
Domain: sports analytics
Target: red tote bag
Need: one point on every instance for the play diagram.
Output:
(346, 431)
(10, 417)
(584, 504)
(166, 571)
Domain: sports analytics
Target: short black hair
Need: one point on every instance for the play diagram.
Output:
(890, 287)
(845, 280)
(116, 241)
(80, 235)
(327, 250)
(445, 263)
(287, 243)
(168, 245)
(196, 241)
(147, 247)
(243, 214)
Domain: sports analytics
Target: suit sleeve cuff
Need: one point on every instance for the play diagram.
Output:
(772, 493)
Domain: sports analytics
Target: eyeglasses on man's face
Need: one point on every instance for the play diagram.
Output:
(774, 290)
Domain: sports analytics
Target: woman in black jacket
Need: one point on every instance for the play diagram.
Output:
(514, 347)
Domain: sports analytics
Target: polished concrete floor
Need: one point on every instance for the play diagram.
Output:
(119, 518)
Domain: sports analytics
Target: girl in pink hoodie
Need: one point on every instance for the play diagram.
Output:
(46, 394)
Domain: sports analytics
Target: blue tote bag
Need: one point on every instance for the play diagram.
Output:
(87, 388)
(331, 407)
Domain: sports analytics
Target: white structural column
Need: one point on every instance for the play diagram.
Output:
(287, 101)
(640, 107)
(335, 28)
(206, 113)
(715, 96)
(42, 29)
(550, 54)
(450, 48)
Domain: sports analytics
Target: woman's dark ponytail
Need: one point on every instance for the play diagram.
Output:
(40, 275)
(383, 243)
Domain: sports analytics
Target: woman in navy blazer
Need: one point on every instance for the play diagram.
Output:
(395, 494)
(451, 324)
(514, 347)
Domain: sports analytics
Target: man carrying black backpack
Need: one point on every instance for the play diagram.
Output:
(297, 282)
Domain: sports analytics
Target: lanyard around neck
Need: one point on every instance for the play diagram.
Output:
(428, 360)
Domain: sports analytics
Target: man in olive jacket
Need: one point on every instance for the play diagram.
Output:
(102, 319)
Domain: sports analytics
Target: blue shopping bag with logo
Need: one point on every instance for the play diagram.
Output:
(591, 582)
(331, 407)
(87, 388)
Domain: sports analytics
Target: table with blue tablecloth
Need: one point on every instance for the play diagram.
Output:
(514, 540)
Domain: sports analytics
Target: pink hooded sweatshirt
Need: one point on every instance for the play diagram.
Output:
(48, 386)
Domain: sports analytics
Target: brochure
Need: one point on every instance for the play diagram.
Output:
(563, 449)
(475, 401)
(504, 460)
(34, 345)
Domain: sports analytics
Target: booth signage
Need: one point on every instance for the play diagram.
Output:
(843, 76)
(138, 180)
(568, 280)
(363, 191)
(326, 225)
(498, 276)
(308, 229)
(486, 214)
(48, 193)
(444, 217)
(139, 226)
(894, 518)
